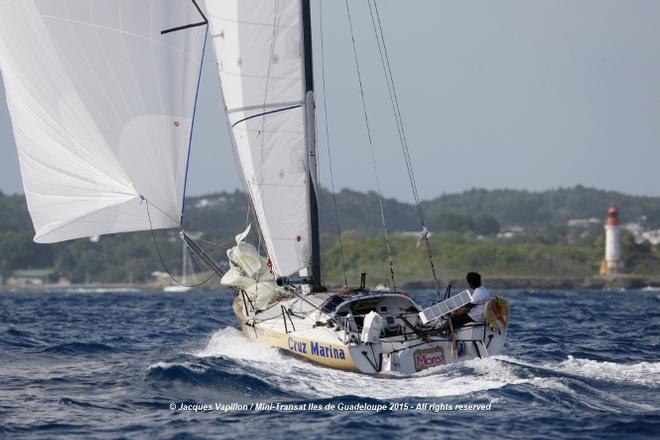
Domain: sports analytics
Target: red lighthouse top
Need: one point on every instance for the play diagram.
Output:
(612, 216)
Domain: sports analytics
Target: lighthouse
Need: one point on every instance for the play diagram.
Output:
(612, 263)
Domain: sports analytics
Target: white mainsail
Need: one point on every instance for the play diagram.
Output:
(258, 48)
(101, 106)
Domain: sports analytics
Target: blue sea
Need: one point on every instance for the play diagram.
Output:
(97, 364)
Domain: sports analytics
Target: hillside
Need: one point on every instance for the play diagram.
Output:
(546, 247)
(359, 211)
(524, 208)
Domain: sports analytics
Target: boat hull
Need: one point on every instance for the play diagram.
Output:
(302, 346)
(320, 345)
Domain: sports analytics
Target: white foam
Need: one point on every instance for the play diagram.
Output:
(642, 373)
(162, 365)
(166, 365)
(231, 343)
(304, 378)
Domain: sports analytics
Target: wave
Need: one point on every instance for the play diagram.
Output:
(559, 377)
(225, 377)
(18, 338)
(66, 401)
(301, 377)
(81, 348)
(642, 373)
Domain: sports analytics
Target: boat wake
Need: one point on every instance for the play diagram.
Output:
(304, 378)
(504, 376)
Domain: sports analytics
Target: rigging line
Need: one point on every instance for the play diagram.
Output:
(160, 256)
(389, 91)
(371, 146)
(380, 37)
(327, 142)
(159, 209)
(212, 243)
(401, 125)
(396, 108)
(192, 121)
(395, 104)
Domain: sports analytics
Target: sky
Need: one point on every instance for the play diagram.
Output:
(509, 94)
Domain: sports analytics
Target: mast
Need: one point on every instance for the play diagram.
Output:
(310, 141)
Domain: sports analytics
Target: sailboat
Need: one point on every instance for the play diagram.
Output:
(186, 268)
(102, 99)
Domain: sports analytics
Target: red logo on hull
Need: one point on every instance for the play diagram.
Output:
(430, 357)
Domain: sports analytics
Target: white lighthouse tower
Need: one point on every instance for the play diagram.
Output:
(612, 263)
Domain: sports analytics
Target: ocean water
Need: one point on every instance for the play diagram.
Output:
(110, 365)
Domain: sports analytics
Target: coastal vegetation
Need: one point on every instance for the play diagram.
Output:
(454, 254)
(500, 233)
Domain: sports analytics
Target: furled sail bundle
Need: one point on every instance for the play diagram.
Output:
(260, 64)
(102, 106)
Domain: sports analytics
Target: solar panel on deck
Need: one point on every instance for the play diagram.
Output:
(445, 307)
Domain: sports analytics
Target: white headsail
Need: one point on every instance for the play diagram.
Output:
(259, 53)
(101, 106)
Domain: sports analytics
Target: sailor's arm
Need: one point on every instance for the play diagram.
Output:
(463, 310)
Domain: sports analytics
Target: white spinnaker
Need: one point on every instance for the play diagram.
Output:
(101, 106)
(259, 52)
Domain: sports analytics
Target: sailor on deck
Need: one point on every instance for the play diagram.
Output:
(473, 312)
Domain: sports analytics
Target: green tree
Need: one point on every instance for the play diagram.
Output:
(453, 222)
(639, 258)
(486, 224)
(18, 251)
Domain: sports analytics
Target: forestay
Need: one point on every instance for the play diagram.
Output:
(102, 106)
(259, 54)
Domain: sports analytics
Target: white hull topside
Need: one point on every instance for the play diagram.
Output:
(326, 328)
